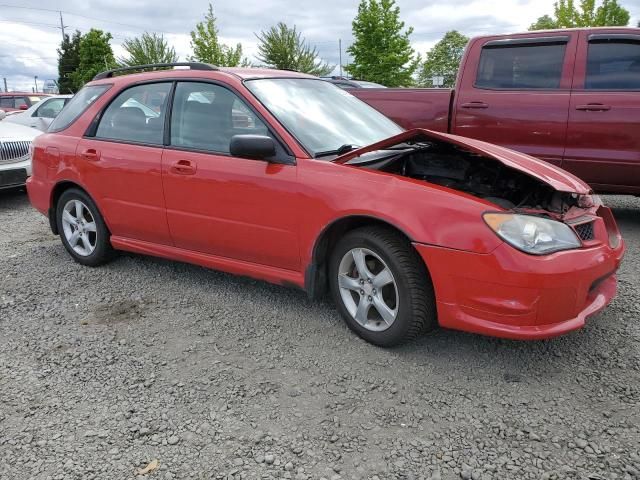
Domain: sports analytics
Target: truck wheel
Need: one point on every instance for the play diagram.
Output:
(381, 286)
(82, 229)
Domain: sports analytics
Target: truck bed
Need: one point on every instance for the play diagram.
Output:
(410, 107)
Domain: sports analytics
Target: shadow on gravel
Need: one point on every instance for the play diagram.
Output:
(10, 199)
(627, 216)
(449, 349)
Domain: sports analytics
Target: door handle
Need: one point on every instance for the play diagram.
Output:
(90, 154)
(593, 107)
(475, 105)
(183, 167)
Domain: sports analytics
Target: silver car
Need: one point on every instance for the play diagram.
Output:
(15, 159)
(41, 114)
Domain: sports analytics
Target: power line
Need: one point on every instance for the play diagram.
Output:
(30, 23)
(66, 12)
(81, 29)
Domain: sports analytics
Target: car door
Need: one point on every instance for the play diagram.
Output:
(603, 141)
(120, 162)
(222, 205)
(517, 93)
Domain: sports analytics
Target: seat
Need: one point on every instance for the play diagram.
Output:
(127, 123)
(207, 126)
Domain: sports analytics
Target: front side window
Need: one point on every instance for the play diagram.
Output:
(50, 108)
(205, 116)
(523, 67)
(322, 116)
(77, 106)
(613, 65)
(136, 115)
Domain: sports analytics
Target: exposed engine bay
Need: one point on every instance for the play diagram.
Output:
(452, 166)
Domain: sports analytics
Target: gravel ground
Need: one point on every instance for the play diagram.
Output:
(105, 371)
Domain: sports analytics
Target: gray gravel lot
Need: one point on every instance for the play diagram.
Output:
(104, 370)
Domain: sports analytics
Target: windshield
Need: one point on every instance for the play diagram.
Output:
(321, 116)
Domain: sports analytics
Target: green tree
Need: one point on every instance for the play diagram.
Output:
(207, 47)
(567, 15)
(382, 52)
(96, 56)
(146, 49)
(444, 59)
(284, 48)
(68, 62)
(545, 22)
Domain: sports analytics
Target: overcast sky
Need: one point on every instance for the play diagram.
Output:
(29, 36)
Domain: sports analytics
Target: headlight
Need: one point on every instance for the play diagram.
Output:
(531, 234)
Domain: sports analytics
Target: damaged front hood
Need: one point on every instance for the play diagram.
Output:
(557, 178)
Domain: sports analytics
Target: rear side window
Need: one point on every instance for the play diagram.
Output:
(6, 102)
(77, 105)
(613, 65)
(137, 115)
(521, 66)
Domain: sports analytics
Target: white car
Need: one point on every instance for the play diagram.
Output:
(41, 114)
(15, 159)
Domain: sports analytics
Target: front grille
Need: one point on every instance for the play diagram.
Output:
(585, 231)
(11, 151)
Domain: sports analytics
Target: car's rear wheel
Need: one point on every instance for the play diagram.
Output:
(82, 229)
(381, 286)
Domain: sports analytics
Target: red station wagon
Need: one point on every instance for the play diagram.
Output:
(287, 178)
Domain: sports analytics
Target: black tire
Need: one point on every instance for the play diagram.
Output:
(416, 312)
(103, 251)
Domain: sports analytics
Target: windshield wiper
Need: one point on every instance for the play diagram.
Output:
(346, 148)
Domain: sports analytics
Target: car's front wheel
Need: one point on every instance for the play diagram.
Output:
(381, 286)
(82, 229)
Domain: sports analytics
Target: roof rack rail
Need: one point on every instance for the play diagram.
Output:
(151, 66)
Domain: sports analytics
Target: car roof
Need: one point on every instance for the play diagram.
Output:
(233, 72)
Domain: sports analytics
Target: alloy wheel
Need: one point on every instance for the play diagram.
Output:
(79, 227)
(368, 289)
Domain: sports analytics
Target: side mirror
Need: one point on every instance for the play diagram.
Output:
(24, 106)
(258, 147)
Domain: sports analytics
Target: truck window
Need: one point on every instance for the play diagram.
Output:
(613, 65)
(521, 66)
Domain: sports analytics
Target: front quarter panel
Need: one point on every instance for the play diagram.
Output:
(425, 213)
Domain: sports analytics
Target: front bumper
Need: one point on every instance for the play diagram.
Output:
(14, 174)
(510, 294)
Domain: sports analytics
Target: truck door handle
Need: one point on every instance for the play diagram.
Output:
(593, 107)
(183, 167)
(475, 105)
(90, 154)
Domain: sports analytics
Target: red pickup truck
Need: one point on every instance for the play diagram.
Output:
(570, 97)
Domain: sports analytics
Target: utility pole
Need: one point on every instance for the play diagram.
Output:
(340, 49)
(5, 84)
(62, 26)
(35, 82)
